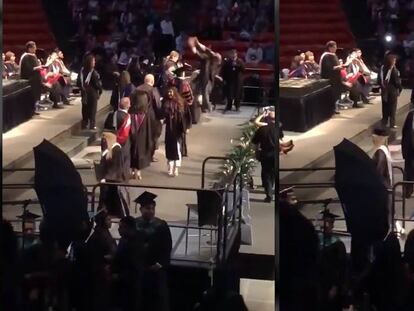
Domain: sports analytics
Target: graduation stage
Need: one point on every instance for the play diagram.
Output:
(211, 137)
(314, 149)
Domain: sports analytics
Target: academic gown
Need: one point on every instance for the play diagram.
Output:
(407, 148)
(158, 246)
(154, 112)
(381, 164)
(100, 244)
(128, 264)
(126, 147)
(118, 93)
(329, 61)
(114, 199)
(174, 130)
(27, 64)
(185, 91)
(142, 139)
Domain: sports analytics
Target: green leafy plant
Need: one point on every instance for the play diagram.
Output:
(243, 154)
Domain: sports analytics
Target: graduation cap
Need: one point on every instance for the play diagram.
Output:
(29, 218)
(180, 73)
(145, 198)
(326, 213)
(381, 131)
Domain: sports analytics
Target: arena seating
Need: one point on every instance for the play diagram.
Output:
(25, 20)
(308, 25)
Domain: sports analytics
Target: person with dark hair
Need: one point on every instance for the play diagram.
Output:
(142, 137)
(101, 247)
(158, 246)
(209, 69)
(331, 69)
(30, 68)
(91, 89)
(390, 83)
(232, 70)
(135, 71)
(173, 107)
(265, 139)
(185, 91)
(127, 267)
(123, 88)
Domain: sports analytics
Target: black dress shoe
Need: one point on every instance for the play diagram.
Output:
(267, 200)
(56, 106)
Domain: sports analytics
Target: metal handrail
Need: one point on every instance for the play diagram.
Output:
(394, 189)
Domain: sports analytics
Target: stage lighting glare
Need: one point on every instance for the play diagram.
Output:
(388, 38)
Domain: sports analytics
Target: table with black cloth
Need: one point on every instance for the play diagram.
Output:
(18, 103)
(304, 103)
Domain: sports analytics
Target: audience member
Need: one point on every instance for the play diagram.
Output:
(254, 54)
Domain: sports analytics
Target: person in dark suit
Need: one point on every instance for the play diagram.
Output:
(232, 71)
(390, 82)
(265, 138)
(30, 68)
(158, 246)
(91, 89)
(407, 148)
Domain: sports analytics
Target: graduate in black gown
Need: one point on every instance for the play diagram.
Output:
(128, 266)
(407, 146)
(90, 84)
(30, 68)
(158, 246)
(175, 128)
(154, 109)
(184, 89)
(101, 247)
(113, 169)
(390, 82)
(382, 156)
(142, 138)
(209, 69)
(123, 88)
(119, 123)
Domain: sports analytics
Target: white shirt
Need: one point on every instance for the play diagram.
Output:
(167, 28)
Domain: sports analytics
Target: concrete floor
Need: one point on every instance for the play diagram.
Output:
(212, 137)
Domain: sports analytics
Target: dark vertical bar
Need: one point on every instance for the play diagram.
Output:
(278, 281)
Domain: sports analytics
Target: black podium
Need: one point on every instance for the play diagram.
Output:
(305, 103)
(18, 103)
